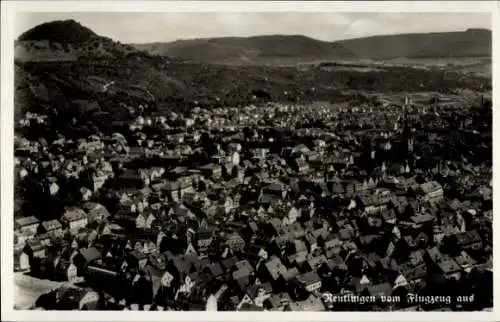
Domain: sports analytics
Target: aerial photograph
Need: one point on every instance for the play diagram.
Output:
(253, 161)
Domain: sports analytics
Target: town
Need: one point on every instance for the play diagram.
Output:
(270, 207)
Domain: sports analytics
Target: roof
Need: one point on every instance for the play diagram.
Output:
(333, 242)
(378, 290)
(229, 263)
(430, 186)
(276, 187)
(242, 273)
(422, 218)
(468, 237)
(90, 254)
(103, 272)
(464, 259)
(308, 278)
(245, 265)
(311, 304)
(291, 274)
(182, 265)
(73, 214)
(99, 210)
(434, 254)
(299, 246)
(301, 163)
(317, 261)
(70, 297)
(336, 262)
(51, 225)
(214, 269)
(449, 266)
(275, 267)
(137, 255)
(250, 307)
(280, 299)
(26, 221)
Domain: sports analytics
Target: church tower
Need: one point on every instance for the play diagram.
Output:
(407, 137)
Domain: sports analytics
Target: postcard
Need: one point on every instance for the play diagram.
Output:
(243, 160)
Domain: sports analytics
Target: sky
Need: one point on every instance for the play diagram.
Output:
(136, 27)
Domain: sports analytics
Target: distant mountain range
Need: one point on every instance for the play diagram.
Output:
(68, 40)
(61, 64)
(279, 48)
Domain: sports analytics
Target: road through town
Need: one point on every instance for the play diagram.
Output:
(27, 289)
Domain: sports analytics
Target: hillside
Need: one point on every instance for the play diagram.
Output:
(62, 31)
(68, 40)
(68, 79)
(251, 50)
(279, 48)
(470, 43)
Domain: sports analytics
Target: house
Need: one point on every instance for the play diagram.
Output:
(297, 251)
(104, 274)
(311, 304)
(301, 165)
(96, 211)
(309, 281)
(180, 266)
(20, 238)
(277, 302)
(276, 189)
(211, 170)
(291, 216)
(422, 220)
(432, 191)
(258, 294)
(71, 273)
(72, 298)
(244, 306)
(272, 269)
(468, 240)
(86, 256)
(86, 193)
(414, 269)
(450, 269)
(144, 220)
(433, 256)
(465, 261)
(235, 242)
(52, 227)
(74, 219)
(379, 291)
(204, 239)
(191, 281)
(137, 259)
(35, 249)
(132, 178)
(373, 204)
(185, 185)
(213, 269)
(21, 260)
(241, 275)
(148, 247)
(171, 190)
(27, 224)
(98, 180)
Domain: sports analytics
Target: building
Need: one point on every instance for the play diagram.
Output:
(74, 219)
(27, 224)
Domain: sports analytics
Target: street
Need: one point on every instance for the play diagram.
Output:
(27, 289)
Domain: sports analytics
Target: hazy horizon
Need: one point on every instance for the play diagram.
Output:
(138, 28)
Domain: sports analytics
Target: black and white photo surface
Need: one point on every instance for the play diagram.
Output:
(264, 161)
